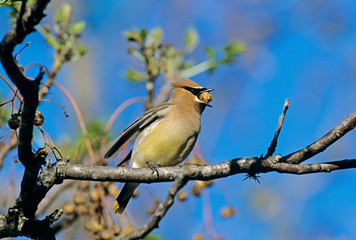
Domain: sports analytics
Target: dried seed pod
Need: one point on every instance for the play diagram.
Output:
(127, 230)
(94, 194)
(200, 184)
(113, 190)
(91, 209)
(135, 193)
(227, 212)
(84, 185)
(209, 183)
(41, 154)
(116, 229)
(81, 209)
(93, 225)
(80, 198)
(195, 160)
(14, 121)
(69, 208)
(206, 97)
(39, 119)
(181, 196)
(197, 237)
(197, 188)
(107, 234)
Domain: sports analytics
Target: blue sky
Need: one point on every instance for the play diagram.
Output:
(301, 50)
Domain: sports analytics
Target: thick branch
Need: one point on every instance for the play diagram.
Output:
(165, 174)
(20, 219)
(16, 35)
(26, 156)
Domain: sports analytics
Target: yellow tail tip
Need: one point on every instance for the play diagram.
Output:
(116, 208)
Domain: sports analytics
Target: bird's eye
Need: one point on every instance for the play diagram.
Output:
(194, 91)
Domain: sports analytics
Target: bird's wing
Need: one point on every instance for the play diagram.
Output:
(150, 116)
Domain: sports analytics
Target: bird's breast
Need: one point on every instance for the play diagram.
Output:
(165, 143)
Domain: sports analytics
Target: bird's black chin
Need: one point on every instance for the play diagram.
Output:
(207, 104)
(202, 106)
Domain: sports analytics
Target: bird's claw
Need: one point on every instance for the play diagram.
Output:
(154, 167)
(253, 176)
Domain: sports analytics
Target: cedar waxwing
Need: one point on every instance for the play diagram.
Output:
(165, 134)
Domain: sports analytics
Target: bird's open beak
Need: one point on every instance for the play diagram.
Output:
(206, 97)
(208, 89)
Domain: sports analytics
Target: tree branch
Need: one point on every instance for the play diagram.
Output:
(4, 150)
(26, 156)
(253, 165)
(320, 145)
(312, 168)
(272, 147)
(20, 219)
(24, 26)
(163, 208)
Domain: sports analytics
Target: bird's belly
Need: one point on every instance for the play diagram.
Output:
(164, 149)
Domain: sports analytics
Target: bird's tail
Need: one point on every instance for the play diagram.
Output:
(124, 197)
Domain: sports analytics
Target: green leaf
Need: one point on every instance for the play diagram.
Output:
(132, 36)
(191, 39)
(235, 48)
(135, 76)
(171, 52)
(210, 52)
(63, 14)
(155, 38)
(143, 34)
(15, 9)
(81, 50)
(50, 39)
(3, 2)
(188, 64)
(152, 237)
(77, 27)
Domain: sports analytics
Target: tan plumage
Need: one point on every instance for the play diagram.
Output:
(165, 134)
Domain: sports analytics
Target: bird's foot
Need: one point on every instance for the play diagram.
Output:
(153, 167)
(183, 164)
(253, 176)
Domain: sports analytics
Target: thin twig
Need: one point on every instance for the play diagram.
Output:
(11, 144)
(151, 77)
(49, 100)
(6, 133)
(161, 211)
(11, 87)
(53, 195)
(80, 121)
(17, 55)
(272, 147)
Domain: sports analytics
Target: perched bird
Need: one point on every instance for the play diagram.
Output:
(165, 134)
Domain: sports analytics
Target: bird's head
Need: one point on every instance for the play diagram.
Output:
(190, 93)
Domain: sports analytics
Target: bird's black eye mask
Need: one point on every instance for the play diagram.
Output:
(195, 91)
